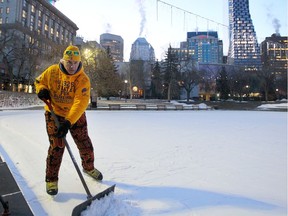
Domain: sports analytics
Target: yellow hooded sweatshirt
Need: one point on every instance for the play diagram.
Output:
(69, 94)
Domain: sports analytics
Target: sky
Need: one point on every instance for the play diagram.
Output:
(164, 163)
(162, 24)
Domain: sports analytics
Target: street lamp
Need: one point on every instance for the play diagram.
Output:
(125, 81)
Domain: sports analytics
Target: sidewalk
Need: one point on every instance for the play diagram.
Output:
(11, 193)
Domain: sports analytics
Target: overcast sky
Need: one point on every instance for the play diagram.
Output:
(162, 24)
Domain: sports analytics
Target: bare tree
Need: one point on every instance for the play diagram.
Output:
(267, 81)
(223, 84)
(209, 73)
(189, 77)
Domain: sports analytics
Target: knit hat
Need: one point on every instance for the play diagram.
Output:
(72, 53)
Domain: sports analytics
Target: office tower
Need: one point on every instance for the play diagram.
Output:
(52, 1)
(205, 47)
(36, 28)
(38, 19)
(243, 47)
(274, 56)
(142, 56)
(115, 44)
(142, 50)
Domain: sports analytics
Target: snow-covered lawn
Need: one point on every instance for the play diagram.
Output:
(208, 163)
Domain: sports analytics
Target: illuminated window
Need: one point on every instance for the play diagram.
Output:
(33, 9)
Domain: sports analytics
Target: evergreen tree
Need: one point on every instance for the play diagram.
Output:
(171, 75)
(107, 79)
(156, 82)
(137, 74)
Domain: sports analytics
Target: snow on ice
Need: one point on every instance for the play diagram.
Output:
(204, 162)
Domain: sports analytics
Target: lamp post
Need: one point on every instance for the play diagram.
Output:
(126, 82)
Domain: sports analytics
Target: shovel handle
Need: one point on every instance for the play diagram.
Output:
(89, 195)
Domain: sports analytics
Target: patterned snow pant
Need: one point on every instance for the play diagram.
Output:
(79, 133)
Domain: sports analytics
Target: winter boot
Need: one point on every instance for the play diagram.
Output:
(52, 188)
(96, 174)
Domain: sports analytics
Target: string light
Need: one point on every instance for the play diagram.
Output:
(191, 13)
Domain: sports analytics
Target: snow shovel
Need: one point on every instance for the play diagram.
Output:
(81, 207)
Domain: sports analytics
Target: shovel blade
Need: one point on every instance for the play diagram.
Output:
(83, 206)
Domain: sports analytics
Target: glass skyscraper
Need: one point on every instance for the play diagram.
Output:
(205, 46)
(244, 49)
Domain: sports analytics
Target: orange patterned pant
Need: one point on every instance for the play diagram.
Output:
(79, 133)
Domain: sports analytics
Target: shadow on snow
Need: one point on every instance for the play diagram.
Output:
(180, 199)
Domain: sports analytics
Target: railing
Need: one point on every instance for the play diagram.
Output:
(160, 107)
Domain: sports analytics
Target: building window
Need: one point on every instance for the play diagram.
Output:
(7, 10)
(39, 24)
(33, 9)
(32, 21)
(1, 10)
(24, 14)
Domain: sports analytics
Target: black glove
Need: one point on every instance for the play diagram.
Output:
(44, 94)
(63, 129)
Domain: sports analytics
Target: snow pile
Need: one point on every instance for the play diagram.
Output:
(273, 106)
(203, 106)
(18, 100)
(110, 206)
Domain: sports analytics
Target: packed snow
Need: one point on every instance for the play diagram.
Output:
(204, 162)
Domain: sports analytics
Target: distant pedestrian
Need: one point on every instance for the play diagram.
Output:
(67, 88)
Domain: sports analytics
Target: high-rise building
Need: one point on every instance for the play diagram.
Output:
(35, 26)
(274, 56)
(37, 19)
(201, 47)
(142, 50)
(115, 44)
(51, 1)
(205, 46)
(142, 56)
(243, 47)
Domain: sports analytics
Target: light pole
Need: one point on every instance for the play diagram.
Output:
(126, 82)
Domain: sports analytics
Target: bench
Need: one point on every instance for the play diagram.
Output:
(114, 106)
(161, 107)
(179, 107)
(140, 106)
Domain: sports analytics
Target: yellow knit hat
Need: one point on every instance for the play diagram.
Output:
(72, 53)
